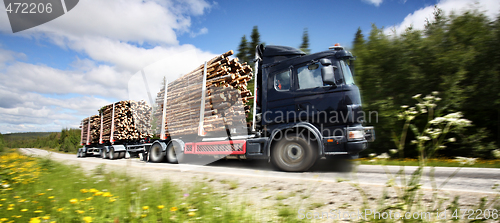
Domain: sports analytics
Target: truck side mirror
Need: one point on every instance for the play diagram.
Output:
(325, 62)
(328, 74)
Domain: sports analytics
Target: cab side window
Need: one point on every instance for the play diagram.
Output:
(282, 81)
(310, 76)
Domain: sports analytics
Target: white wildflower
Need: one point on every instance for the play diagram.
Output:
(417, 96)
(435, 92)
(383, 156)
(465, 160)
(423, 138)
(414, 142)
(393, 151)
(496, 153)
(429, 98)
(452, 140)
(404, 106)
(372, 154)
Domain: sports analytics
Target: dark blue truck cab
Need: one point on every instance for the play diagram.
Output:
(306, 107)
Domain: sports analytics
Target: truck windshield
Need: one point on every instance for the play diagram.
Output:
(347, 72)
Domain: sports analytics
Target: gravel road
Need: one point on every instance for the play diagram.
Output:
(329, 183)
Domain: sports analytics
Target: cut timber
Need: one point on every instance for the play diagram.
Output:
(226, 88)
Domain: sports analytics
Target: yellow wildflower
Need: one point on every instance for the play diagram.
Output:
(191, 214)
(143, 215)
(38, 211)
(50, 189)
(35, 220)
(89, 198)
(87, 219)
(51, 197)
(10, 208)
(84, 191)
(41, 194)
(99, 193)
(60, 209)
(73, 201)
(107, 194)
(3, 219)
(80, 211)
(93, 190)
(173, 209)
(112, 200)
(21, 201)
(161, 206)
(3, 199)
(16, 197)
(46, 217)
(145, 208)
(24, 210)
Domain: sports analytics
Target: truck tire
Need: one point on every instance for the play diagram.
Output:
(293, 153)
(171, 153)
(104, 153)
(113, 155)
(78, 154)
(83, 154)
(122, 154)
(155, 153)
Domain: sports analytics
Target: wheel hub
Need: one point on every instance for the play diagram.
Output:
(294, 152)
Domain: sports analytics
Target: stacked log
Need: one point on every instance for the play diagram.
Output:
(95, 129)
(84, 126)
(226, 94)
(131, 121)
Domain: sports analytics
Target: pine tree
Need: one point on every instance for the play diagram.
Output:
(243, 50)
(255, 41)
(305, 42)
(359, 38)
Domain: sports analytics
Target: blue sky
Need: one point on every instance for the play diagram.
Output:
(55, 74)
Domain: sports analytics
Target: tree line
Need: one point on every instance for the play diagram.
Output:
(457, 55)
(68, 140)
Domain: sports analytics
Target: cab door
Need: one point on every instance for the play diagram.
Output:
(280, 98)
(315, 102)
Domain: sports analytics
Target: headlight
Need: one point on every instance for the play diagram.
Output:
(355, 135)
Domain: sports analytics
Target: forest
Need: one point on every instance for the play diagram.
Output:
(456, 55)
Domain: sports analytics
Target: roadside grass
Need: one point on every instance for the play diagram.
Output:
(438, 162)
(41, 190)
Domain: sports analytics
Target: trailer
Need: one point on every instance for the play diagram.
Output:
(304, 107)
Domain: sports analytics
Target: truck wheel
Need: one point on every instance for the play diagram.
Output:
(171, 154)
(122, 154)
(104, 154)
(112, 153)
(83, 154)
(78, 154)
(155, 153)
(293, 153)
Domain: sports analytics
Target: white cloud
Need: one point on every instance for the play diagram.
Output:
(125, 20)
(374, 2)
(417, 18)
(202, 31)
(36, 97)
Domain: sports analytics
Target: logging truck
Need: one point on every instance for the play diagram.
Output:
(300, 109)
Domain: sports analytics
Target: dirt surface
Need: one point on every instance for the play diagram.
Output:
(328, 186)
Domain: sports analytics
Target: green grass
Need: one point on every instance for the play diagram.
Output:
(62, 193)
(441, 162)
